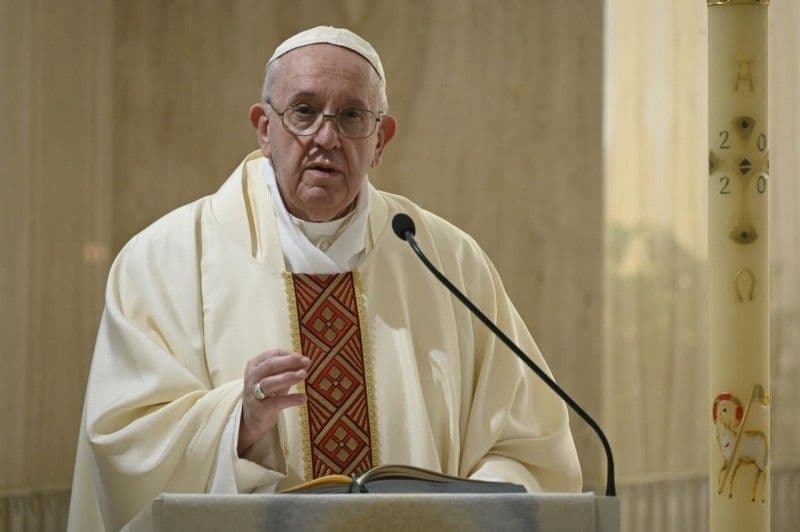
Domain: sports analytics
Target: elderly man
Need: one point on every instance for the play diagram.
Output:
(278, 331)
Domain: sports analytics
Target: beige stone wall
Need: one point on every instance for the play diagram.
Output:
(116, 112)
(55, 63)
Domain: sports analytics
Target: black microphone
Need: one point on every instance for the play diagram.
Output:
(402, 224)
(403, 227)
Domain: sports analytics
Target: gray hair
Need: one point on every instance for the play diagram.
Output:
(271, 76)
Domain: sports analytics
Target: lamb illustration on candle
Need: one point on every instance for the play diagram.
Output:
(748, 447)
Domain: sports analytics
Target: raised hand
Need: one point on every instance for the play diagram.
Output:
(267, 379)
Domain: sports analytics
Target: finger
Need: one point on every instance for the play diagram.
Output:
(284, 391)
(275, 384)
(266, 355)
(278, 364)
(285, 401)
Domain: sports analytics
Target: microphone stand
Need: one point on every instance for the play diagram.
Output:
(611, 490)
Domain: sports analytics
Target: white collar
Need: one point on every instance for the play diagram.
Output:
(339, 243)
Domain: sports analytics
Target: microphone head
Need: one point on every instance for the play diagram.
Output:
(402, 224)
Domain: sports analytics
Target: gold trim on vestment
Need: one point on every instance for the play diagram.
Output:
(294, 325)
(369, 369)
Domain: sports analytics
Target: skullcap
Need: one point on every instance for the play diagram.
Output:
(330, 35)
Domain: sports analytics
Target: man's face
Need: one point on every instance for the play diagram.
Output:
(319, 176)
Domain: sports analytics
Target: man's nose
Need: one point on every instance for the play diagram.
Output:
(328, 134)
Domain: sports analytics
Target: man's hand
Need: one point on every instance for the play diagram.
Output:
(274, 372)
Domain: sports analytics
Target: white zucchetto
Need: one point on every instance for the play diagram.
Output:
(335, 36)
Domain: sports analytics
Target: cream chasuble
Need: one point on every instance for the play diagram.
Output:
(204, 289)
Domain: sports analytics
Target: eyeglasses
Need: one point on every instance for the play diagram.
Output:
(302, 119)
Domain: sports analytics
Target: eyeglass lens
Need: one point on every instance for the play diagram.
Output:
(304, 120)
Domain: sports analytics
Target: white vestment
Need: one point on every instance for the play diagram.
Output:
(195, 295)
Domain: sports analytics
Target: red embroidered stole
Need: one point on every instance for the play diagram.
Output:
(338, 412)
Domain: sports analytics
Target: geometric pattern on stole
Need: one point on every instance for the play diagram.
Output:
(337, 387)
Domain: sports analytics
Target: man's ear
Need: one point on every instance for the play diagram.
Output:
(259, 117)
(386, 131)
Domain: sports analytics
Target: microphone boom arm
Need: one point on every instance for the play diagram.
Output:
(611, 489)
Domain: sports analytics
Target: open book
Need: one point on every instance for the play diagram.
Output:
(402, 479)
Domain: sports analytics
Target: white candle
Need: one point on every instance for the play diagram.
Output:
(738, 267)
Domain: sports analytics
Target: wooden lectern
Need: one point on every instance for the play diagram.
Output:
(584, 512)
